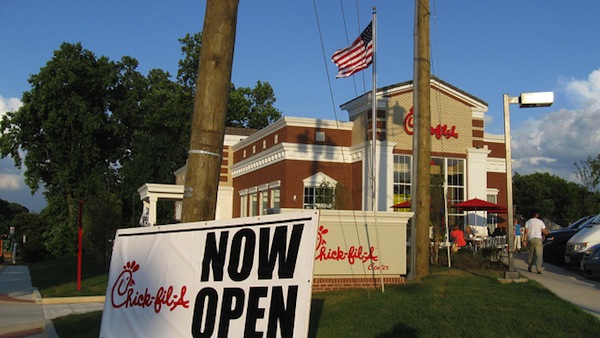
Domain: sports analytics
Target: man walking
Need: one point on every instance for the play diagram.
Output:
(534, 230)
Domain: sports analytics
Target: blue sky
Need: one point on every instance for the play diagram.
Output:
(486, 48)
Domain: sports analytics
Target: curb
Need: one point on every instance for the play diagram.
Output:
(66, 300)
(48, 326)
(72, 300)
(512, 280)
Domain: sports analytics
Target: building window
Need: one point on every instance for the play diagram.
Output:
(402, 178)
(319, 192)
(321, 197)
(455, 187)
(276, 139)
(244, 205)
(275, 198)
(253, 149)
(264, 144)
(253, 204)
(264, 202)
(451, 174)
(455, 180)
(492, 218)
(244, 153)
(320, 136)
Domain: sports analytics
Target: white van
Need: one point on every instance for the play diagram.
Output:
(581, 241)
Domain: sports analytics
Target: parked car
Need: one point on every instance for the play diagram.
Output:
(555, 242)
(581, 241)
(590, 263)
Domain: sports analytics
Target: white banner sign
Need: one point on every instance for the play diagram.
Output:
(231, 278)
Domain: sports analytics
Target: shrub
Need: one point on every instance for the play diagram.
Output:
(467, 259)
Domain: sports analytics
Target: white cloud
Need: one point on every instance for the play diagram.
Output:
(10, 182)
(586, 91)
(488, 119)
(10, 104)
(556, 141)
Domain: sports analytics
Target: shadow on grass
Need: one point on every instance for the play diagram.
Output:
(400, 330)
(316, 309)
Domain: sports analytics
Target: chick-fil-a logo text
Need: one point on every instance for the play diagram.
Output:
(124, 294)
(353, 253)
(439, 131)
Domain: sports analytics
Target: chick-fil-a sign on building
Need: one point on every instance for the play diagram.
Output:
(235, 278)
(439, 131)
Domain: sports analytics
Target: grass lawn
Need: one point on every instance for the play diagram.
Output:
(448, 303)
(58, 278)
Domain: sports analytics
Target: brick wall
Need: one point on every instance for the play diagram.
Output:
(346, 283)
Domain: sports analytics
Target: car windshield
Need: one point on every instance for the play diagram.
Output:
(578, 222)
(590, 222)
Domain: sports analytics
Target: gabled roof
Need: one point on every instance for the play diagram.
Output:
(408, 84)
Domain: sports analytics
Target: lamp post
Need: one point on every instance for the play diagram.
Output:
(525, 100)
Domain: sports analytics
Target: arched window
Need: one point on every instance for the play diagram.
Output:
(319, 192)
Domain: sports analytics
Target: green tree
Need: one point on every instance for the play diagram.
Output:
(588, 171)
(66, 128)
(252, 107)
(158, 144)
(101, 219)
(187, 74)
(554, 197)
(29, 234)
(248, 107)
(60, 239)
(11, 216)
(8, 211)
(93, 129)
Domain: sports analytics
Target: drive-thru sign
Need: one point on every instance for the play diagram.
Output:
(233, 278)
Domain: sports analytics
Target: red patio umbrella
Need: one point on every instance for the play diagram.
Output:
(476, 204)
(405, 204)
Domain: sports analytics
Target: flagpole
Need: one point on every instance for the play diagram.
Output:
(374, 141)
(374, 114)
(350, 60)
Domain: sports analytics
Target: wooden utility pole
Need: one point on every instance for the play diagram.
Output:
(210, 111)
(422, 110)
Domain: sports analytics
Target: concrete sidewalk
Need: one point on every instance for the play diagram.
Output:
(23, 312)
(568, 285)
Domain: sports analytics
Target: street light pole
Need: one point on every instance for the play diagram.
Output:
(525, 100)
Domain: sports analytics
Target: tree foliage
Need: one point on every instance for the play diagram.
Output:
(158, 142)
(252, 107)
(94, 129)
(248, 107)
(554, 197)
(64, 124)
(8, 211)
(68, 129)
(15, 215)
(588, 171)
(187, 74)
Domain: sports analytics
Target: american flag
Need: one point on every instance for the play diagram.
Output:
(357, 56)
